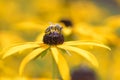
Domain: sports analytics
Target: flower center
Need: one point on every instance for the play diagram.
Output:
(53, 35)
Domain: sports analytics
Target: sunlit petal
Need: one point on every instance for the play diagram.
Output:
(19, 48)
(61, 63)
(86, 43)
(31, 56)
(87, 55)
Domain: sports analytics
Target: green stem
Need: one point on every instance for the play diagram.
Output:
(54, 71)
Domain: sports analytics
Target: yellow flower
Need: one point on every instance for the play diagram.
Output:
(79, 12)
(116, 63)
(113, 21)
(53, 41)
(8, 38)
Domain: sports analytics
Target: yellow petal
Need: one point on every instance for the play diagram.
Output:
(86, 43)
(87, 55)
(19, 48)
(31, 56)
(61, 63)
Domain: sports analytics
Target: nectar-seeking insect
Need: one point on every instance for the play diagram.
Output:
(53, 35)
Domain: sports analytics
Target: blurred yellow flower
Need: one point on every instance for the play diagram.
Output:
(115, 71)
(86, 11)
(113, 21)
(53, 41)
(8, 39)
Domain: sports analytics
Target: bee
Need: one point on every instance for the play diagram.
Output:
(48, 30)
(52, 28)
(58, 28)
(53, 35)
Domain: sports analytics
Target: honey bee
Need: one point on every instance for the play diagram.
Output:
(48, 30)
(58, 28)
(52, 28)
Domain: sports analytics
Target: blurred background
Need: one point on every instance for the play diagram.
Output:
(86, 20)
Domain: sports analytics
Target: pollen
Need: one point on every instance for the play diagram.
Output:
(53, 35)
